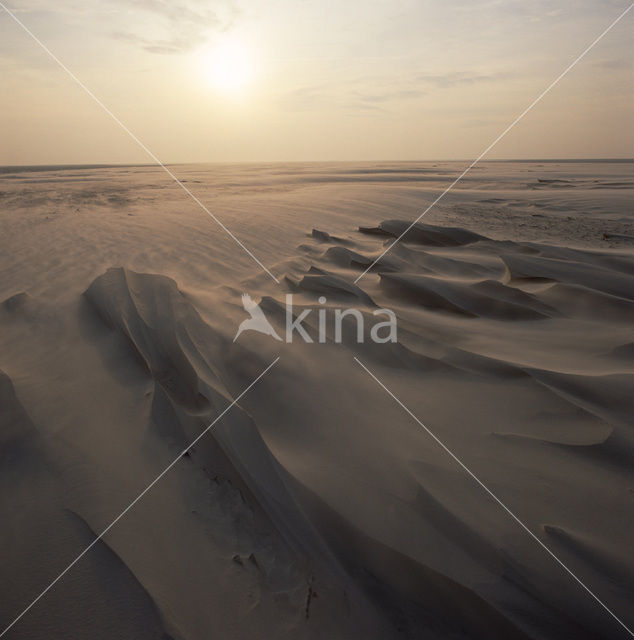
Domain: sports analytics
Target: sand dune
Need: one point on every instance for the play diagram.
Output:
(316, 507)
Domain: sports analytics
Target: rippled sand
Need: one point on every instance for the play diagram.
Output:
(317, 507)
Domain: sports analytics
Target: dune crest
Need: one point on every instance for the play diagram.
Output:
(316, 506)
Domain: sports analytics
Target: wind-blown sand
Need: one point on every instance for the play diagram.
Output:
(317, 507)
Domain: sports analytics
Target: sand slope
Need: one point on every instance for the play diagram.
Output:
(317, 508)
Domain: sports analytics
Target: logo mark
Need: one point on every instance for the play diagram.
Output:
(380, 332)
(257, 321)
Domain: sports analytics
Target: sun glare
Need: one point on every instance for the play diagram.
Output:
(229, 65)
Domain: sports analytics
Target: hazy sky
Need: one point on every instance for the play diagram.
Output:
(316, 80)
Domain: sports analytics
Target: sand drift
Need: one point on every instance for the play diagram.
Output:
(316, 507)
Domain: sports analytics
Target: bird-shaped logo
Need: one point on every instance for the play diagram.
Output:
(257, 321)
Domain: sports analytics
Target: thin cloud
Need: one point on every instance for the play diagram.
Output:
(175, 27)
(156, 26)
(379, 93)
(458, 78)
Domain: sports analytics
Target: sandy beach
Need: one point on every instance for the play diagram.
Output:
(317, 506)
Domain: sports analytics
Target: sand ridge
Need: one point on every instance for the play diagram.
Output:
(317, 508)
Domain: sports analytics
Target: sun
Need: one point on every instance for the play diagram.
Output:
(229, 65)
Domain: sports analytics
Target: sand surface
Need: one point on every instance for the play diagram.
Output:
(317, 507)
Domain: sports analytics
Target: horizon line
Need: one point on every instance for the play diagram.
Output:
(109, 165)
